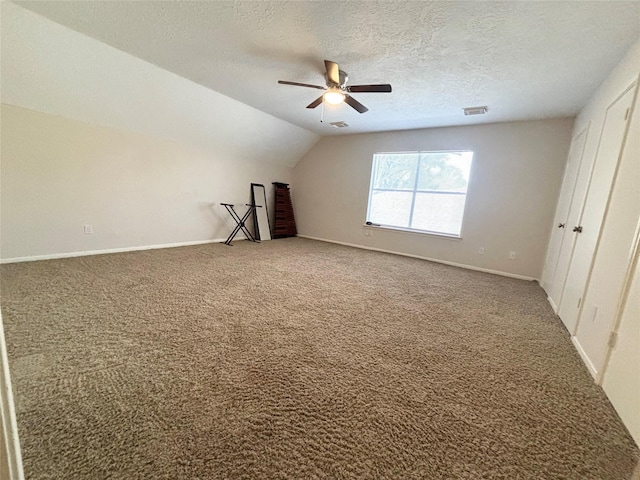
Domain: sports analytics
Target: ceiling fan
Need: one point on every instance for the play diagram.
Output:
(337, 90)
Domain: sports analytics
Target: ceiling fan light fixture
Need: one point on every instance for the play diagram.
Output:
(333, 96)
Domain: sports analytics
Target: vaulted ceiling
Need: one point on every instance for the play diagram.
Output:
(524, 60)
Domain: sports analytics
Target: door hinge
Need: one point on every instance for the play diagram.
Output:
(613, 338)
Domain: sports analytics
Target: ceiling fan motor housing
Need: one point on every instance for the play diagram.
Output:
(344, 78)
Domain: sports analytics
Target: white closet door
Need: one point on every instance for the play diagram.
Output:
(569, 238)
(562, 210)
(606, 160)
(613, 261)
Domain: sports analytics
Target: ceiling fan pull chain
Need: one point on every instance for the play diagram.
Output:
(322, 113)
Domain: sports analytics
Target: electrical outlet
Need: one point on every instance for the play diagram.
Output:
(512, 255)
(88, 229)
(481, 251)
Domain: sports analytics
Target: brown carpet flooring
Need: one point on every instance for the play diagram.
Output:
(297, 359)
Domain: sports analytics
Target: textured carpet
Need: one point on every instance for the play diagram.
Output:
(297, 359)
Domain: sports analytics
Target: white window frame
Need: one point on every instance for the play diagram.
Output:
(369, 223)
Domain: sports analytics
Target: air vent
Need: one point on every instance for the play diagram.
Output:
(475, 110)
(340, 124)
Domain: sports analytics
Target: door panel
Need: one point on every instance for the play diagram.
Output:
(611, 267)
(569, 238)
(562, 211)
(613, 132)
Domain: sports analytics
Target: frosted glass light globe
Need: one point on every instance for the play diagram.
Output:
(334, 96)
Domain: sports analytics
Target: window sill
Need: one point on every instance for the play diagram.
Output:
(408, 231)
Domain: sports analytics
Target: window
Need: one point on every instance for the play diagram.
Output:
(420, 191)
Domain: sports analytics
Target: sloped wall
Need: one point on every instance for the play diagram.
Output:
(52, 69)
(92, 135)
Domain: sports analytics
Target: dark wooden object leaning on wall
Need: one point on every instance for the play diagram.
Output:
(285, 223)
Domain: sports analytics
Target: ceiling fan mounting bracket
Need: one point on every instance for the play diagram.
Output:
(344, 78)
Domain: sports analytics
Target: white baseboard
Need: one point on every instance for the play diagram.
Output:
(445, 262)
(9, 430)
(52, 256)
(553, 304)
(585, 358)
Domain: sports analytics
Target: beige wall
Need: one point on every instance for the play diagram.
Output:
(512, 195)
(594, 111)
(136, 190)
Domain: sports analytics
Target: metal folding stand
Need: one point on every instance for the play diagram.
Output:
(240, 222)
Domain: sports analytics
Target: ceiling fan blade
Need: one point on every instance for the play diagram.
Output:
(385, 87)
(349, 100)
(333, 72)
(316, 102)
(284, 82)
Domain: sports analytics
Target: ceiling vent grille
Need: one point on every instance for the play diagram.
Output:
(475, 110)
(340, 124)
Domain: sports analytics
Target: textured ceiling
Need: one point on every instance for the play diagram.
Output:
(524, 60)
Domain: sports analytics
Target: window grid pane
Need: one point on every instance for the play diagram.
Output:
(395, 171)
(439, 212)
(390, 208)
(424, 191)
